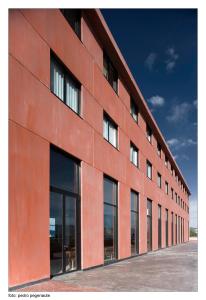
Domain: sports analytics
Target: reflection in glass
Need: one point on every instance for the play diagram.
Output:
(56, 234)
(110, 220)
(159, 227)
(70, 233)
(134, 223)
(110, 191)
(63, 172)
(109, 232)
(149, 225)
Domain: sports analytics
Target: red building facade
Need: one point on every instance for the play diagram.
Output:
(92, 180)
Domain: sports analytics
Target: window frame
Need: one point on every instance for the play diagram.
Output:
(111, 70)
(134, 148)
(148, 164)
(159, 150)
(115, 207)
(166, 187)
(108, 119)
(159, 176)
(149, 133)
(79, 32)
(136, 212)
(134, 109)
(66, 75)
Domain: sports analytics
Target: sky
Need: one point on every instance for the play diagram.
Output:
(160, 48)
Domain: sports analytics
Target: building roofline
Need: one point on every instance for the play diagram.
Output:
(101, 28)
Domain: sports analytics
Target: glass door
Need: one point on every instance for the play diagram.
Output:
(64, 213)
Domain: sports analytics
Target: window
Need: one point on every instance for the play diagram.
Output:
(149, 225)
(64, 213)
(73, 17)
(110, 219)
(171, 170)
(110, 130)
(166, 161)
(110, 73)
(149, 134)
(64, 86)
(166, 188)
(159, 227)
(176, 197)
(159, 180)
(166, 227)
(134, 223)
(149, 170)
(172, 193)
(159, 149)
(134, 155)
(172, 228)
(133, 110)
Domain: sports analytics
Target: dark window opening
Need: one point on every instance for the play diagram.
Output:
(73, 17)
(134, 110)
(159, 149)
(149, 134)
(110, 73)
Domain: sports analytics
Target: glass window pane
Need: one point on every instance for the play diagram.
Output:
(110, 232)
(56, 232)
(57, 79)
(110, 191)
(72, 95)
(134, 201)
(64, 172)
(105, 129)
(112, 135)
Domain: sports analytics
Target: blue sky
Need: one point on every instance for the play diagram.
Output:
(160, 48)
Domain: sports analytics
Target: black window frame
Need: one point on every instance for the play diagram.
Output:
(111, 72)
(134, 110)
(110, 122)
(76, 11)
(66, 74)
(134, 148)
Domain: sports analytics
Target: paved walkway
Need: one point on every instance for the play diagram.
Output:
(168, 270)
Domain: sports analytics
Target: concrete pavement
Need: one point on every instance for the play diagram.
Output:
(172, 269)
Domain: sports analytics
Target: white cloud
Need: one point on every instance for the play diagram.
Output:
(172, 58)
(156, 100)
(179, 112)
(172, 142)
(150, 60)
(176, 144)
